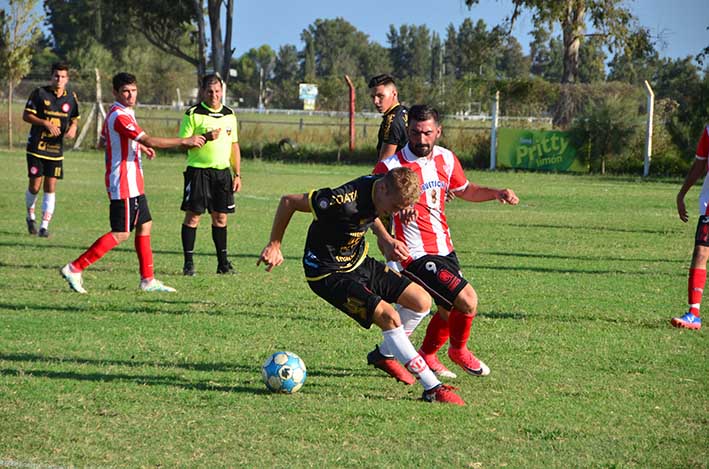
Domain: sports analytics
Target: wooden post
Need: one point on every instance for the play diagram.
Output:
(352, 113)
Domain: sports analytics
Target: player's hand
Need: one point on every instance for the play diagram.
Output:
(450, 196)
(682, 209)
(53, 130)
(195, 141)
(393, 249)
(71, 132)
(236, 184)
(408, 215)
(212, 135)
(271, 256)
(149, 152)
(507, 196)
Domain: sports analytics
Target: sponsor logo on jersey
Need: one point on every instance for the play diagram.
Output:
(228, 131)
(47, 102)
(130, 127)
(66, 107)
(346, 198)
(447, 278)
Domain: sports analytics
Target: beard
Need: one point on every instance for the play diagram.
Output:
(421, 151)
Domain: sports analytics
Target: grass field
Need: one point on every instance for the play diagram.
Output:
(577, 285)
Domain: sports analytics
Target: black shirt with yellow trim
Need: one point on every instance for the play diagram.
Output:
(60, 110)
(341, 217)
(393, 128)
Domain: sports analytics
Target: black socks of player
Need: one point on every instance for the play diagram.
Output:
(219, 238)
(189, 235)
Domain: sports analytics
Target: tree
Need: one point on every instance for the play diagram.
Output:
(637, 61)
(511, 61)
(610, 18)
(410, 51)
(337, 47)
(20, 32)
(592, 58)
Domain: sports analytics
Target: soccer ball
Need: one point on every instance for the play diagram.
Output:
(284, 372)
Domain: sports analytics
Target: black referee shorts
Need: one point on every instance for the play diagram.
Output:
(208, 189)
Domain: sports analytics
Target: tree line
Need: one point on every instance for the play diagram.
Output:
(568, 73)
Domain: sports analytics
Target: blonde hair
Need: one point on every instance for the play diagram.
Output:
(403, 181)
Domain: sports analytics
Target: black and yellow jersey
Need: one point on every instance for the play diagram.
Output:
(201, 119)
(341, 217)
(393, 128)
(60, 110)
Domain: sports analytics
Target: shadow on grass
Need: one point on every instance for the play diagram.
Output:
(326, 372)
(580, 258)
(601, 229)
(473, 267)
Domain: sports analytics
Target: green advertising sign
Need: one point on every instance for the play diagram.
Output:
(548, 150)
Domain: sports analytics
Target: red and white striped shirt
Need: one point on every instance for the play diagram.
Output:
(441, 172)
(124, 170)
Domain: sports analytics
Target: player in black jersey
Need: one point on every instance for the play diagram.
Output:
(392, 135)
(339, 270)
(53, 112)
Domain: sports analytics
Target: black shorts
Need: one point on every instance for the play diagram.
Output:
(126, 214)
(358, 293)
(208, 189)
(701, 237)
(440, 276)
(38, 167)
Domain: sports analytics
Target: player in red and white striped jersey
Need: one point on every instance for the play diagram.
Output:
(125, 143)
(432, 261)
(698, 267)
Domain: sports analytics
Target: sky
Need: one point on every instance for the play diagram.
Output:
(681, 23)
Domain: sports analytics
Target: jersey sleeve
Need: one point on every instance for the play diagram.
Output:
(33, 102)
(321, 202)
(186, 126)
(235, 130)
(458, 180)
(127, 127)
(397, 132)
(703, 145)
(75, 108)
(380, 168)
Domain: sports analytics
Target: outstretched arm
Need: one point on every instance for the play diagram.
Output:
(271, 255)
(698, 168)
(475, 193)
(172, 142)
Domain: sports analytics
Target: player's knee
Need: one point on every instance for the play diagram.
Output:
(467, 301)
(700, 256)
(385, 316)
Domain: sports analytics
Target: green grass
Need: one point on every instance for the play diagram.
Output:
(576, 285)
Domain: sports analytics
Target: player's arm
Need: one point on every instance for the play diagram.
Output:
(698, 168)
(195, 141)
(387, 149)
(271, 255)
(73, 127)
(32, 118)
(475, 193)
(392, 248)
(236, 166)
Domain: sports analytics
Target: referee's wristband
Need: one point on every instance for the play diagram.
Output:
(236, 175)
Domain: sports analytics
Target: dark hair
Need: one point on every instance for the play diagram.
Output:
(383, 79)
(210, 79)
(60, 66)
(123, 78)
(423, 112)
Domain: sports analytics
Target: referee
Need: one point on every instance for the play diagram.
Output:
(213, 172)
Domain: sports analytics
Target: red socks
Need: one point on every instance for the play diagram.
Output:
(697, 279)
(459, 325)
(437, 334)
(145, 256)
(97, 250)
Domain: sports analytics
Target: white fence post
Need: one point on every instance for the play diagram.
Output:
(648, 131)
(493, 131)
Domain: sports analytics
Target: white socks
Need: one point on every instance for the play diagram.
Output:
(30, 200)
(48, 203)
(398, 342)
(409, 320)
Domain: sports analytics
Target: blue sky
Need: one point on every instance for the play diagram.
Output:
(682, 23)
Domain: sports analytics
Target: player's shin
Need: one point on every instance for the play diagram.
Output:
(437, 334)
(400, 346)
(459, 324)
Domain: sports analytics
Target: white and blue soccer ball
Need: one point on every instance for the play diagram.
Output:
(284, 372)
